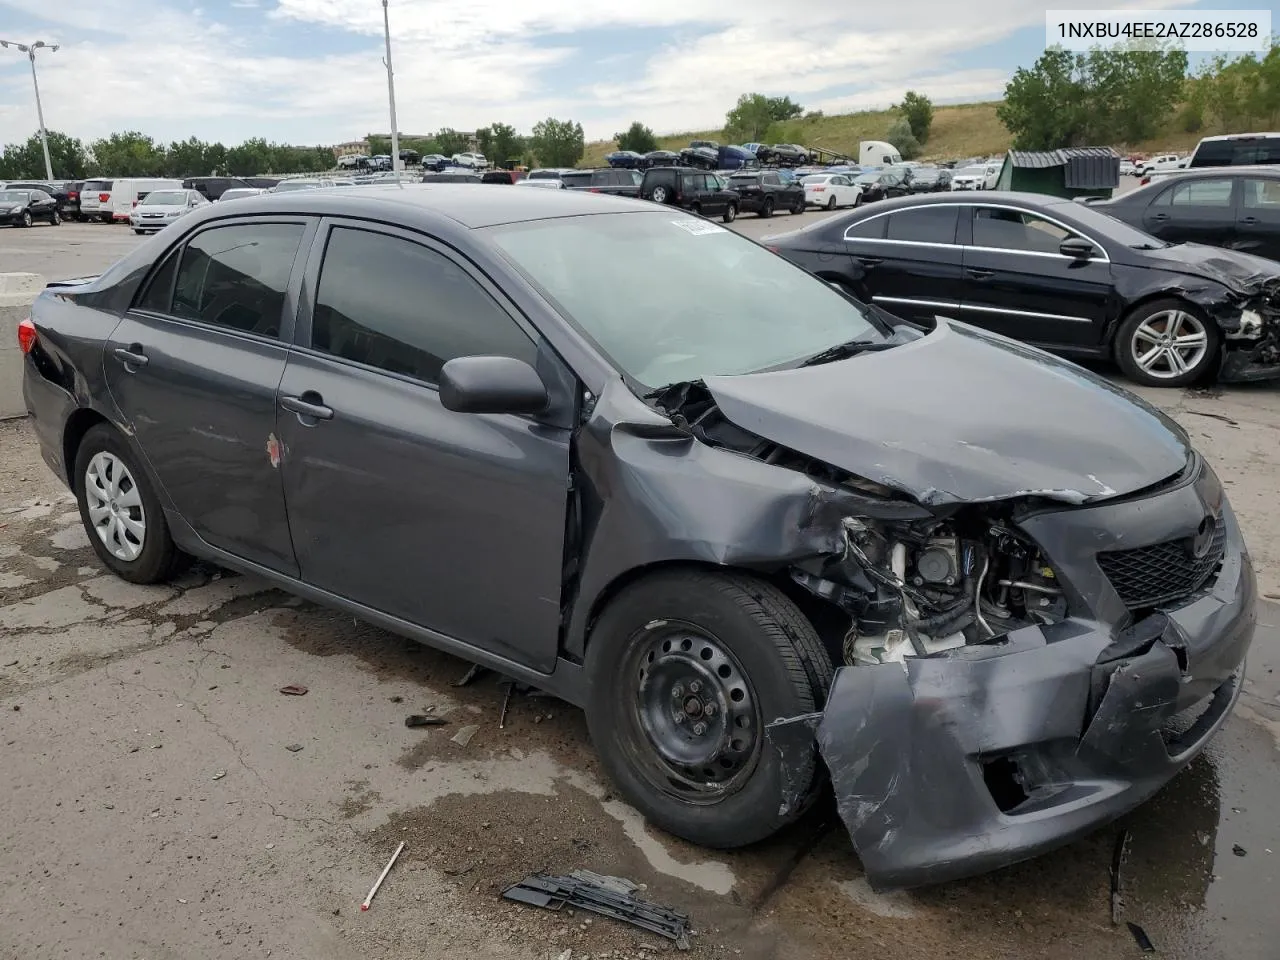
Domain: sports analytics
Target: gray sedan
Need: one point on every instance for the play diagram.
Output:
(630, 457)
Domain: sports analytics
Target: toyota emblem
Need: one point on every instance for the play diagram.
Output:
(1203, 539)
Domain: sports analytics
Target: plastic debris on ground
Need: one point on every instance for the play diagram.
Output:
(424, 720)
(294, 690)
(612, 897)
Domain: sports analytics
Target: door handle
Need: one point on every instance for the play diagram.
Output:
(1159, 217)
(132, 356)
(310, 404)
(870, 261)
(1249, 221)
(981, 274)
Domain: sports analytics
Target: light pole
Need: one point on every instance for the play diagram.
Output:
(30, 50)
(391, 94)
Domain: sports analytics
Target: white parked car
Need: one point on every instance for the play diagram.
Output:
(159, 208)
(969, 178)
(475, 161)
(1128, 168)
(303, 183)
(239, 193)
(551, 183)
(1162, 163)
(831, 190)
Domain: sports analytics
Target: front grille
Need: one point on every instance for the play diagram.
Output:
(1164, 572)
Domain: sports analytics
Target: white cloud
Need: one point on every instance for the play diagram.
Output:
(462, 64)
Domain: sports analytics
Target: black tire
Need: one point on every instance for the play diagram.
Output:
(695, 209)
(139, 232)
(26, 218)
(56, 219)
(831, 203)
(1162, 373)
(659, 194)
(159, 558)
(766, 210)
(731, 213)
(857, 201)
(771, 663)
(797, 208)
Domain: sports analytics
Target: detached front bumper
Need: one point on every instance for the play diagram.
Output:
(956, 764)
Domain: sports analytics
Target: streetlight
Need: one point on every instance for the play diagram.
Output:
(30, 50)
(391, 95)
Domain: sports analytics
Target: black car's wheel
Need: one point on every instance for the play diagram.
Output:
(56, 219)
(798, 206)
(120, 511)
(831, 203)
(684, 669)
(766, 209)
(1167, 343)
(26, 218)
(695, 209)
(731, 213)
(659, 194)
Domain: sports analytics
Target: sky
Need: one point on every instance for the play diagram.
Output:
(311, 71)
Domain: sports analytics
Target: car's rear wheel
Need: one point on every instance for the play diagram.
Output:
(659, 195)
(766, 209)
(684, 669)
(731, 213)
(56, 219)
(121, 514)
(831, 203)
(695, 209)
(798, 206)
(26, 218)
(1167, 343)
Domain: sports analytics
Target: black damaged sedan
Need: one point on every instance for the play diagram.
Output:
(748, 524)
(1059, 275)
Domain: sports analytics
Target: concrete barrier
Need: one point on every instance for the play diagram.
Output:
(17, 292)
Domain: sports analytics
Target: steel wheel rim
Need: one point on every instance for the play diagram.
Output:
(114, 505)
(1169, 344)
(682, 680)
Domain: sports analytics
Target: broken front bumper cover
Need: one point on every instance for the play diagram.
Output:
(960, 763)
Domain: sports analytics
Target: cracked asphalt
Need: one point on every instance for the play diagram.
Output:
(162, 799)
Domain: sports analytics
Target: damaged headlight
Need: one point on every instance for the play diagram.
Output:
(921, 587)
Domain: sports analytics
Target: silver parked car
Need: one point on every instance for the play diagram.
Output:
(160, 208)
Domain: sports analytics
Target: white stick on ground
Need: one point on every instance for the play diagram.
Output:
(382, 876)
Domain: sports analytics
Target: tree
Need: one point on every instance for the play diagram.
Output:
(507, 145)
(450, 141)
(25, 161)
(484, 140)
(1044, 106)
(557, 143)
(782, 108)
(128, 154)
(637, 138)
(900, 136)
(188, 158)
(917, 109)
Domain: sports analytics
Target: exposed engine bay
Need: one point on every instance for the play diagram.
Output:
(915, 589)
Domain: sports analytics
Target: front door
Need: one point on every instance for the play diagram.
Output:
(450, 521)
(193, 369)
(1016, 282)
(1258, 218)
(1194, 211)
(910, 263)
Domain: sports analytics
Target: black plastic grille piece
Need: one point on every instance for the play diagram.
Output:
(1163, 572)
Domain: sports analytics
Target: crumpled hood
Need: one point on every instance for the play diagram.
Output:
(962, 415)
(1242, 272)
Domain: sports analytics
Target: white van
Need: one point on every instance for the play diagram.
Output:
(877, 153)
(95, 200)
(126, 193)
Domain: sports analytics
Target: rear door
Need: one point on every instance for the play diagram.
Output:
(449, 521)
(193, 369)
(915, 270)
(1194, 211)
(1258, 217)
(1018, 284)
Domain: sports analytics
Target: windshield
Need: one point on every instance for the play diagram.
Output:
(284, 186)
(816, 179)
(725, 307)
(13, 196)
(238, 192)
(972, 172)
(868, 178)
(167, 198)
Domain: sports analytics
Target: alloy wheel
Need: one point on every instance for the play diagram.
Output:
(115, 506)
(1169, 344)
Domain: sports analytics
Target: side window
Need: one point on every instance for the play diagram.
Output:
(236, 276)
(159, 292)
(1016, 230)
(394, 304)
(691, 181)
(1263, 194)
(872, 229)
(932, 224)
(773, 179)
(1202, 193)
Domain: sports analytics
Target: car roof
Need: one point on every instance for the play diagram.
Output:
(1240, 136)
(967, 198)
(1249, 170)
(423, 203)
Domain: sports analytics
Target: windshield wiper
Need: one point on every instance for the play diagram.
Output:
(847, 349)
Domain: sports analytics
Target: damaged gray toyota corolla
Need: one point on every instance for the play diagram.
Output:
(749, 524)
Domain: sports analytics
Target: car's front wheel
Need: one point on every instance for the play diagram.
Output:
(685, 669)
(121, 514)
(831, 203)
(766, 209)
(26, 218)
(731, 213)
(1167, 343)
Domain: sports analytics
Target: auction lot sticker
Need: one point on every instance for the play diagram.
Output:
(699, 228)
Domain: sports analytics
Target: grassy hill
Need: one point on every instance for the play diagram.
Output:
(959, 130)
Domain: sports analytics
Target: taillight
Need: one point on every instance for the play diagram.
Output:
(26, 335)
(594, 190)
(73, 195)
(818, 189)
(1144, 181)
(104, 197)
(135, 203)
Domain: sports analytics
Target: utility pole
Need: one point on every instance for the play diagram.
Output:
(391, 94)
(30, 50)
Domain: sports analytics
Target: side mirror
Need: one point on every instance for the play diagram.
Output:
(1077, 248)
(491, 385)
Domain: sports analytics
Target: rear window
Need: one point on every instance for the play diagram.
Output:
(577, 179)
(1240, 151)
(744, 179)
(98, 186)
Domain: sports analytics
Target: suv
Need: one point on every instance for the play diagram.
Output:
(212, 188)
(763, 192)
(617, 181)
(786, 154)
(1237, 149)
(694, 190)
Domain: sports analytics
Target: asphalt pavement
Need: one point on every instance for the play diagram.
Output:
(165, 800)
